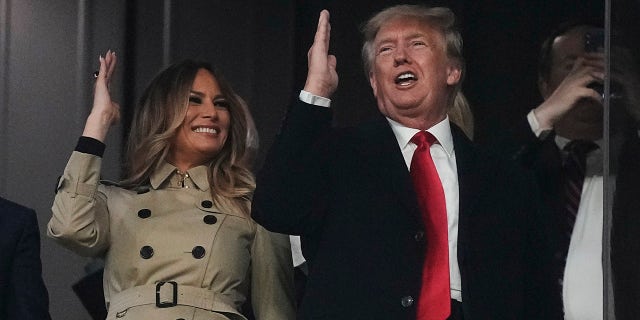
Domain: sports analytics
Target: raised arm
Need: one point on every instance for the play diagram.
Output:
(291, 179)
(322, 78)
(80, 218)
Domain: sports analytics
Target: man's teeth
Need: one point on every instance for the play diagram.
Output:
(405, 77)
(205, 130)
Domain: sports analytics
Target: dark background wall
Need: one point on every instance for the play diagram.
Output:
(250, 42)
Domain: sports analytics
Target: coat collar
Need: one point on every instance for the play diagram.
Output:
(441, 131)
(166, 173)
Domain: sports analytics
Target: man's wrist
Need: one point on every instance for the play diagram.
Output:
(313, 99)
(538, 129)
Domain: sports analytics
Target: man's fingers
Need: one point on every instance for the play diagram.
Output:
(332, 61)
(595, 95)
(321, 40)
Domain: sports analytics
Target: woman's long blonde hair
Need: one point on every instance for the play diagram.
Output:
(157, 118)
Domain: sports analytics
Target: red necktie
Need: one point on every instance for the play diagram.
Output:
(435, 295)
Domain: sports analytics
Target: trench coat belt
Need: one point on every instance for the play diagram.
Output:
(184, 295)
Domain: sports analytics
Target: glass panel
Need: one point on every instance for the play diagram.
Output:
(622, 201)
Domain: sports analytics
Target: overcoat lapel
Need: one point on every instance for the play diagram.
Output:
(381, 148)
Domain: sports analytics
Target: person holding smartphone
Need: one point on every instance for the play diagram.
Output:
(563, 144)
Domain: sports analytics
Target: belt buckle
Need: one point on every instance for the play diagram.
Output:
(168, 304)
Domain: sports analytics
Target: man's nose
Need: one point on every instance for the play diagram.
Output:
(400, 56)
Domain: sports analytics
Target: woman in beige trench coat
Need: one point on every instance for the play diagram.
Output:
(176, 234)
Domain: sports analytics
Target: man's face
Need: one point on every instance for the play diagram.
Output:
(587, 114)
(411, 75)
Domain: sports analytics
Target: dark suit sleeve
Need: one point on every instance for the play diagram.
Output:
(28, 297)
(290, 182)
(525, 144)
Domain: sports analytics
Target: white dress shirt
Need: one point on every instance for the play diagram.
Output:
(582, 285)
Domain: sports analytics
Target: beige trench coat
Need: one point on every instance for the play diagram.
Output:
(170, 238)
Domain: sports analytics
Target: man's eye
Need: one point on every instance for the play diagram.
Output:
(419, 44)
(195, 99)
(384, 50)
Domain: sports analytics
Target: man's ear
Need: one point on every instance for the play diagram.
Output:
(373, 83)
(454, 74)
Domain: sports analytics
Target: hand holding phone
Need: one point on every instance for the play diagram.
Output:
(594, 42)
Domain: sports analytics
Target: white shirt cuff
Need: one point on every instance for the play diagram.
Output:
(296, 251)
(535, 125)
(310, 98)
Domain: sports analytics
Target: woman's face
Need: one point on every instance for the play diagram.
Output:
(205, 127)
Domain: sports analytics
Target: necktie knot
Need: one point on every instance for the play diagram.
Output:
(424, 139)
(577, 151)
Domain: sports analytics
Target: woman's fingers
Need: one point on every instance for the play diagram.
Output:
(111, 66)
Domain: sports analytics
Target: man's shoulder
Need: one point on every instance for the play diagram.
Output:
(368, 132)
(371, 126)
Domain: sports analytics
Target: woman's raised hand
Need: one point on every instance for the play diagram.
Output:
(105, 112)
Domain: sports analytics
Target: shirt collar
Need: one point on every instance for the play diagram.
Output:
(198, 175)
(441, 130)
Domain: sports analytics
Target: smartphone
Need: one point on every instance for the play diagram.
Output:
(594, 42)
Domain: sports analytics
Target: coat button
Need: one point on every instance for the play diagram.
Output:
(407, 301)
(144, 213)
(207, 204)
(419, 236)
(210, 219)
(146, 252)
(198, 252)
